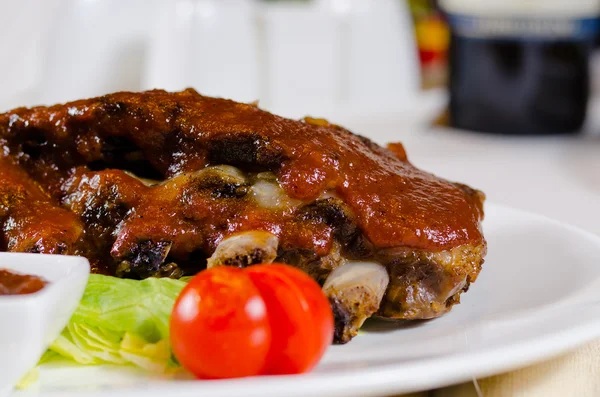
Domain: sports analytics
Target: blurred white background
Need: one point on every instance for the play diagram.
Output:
(322, 56)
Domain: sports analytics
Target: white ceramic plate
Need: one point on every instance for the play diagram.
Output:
(538, 295)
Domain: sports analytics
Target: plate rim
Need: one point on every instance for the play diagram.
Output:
(381, 379)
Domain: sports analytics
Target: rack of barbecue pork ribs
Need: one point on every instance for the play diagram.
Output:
(159, 184)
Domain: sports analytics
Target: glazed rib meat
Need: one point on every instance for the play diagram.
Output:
(159, 184)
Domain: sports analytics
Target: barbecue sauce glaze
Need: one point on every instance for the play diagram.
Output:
(393, 203)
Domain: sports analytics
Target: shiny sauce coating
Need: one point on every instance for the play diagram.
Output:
(394, 203)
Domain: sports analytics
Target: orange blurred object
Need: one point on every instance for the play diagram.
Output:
(433, 38)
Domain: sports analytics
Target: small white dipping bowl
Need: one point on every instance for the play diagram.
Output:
(30, 323)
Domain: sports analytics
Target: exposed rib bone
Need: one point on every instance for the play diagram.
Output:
(245, 249)
(355, 291)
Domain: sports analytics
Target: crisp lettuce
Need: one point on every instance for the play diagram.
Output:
(123, 322)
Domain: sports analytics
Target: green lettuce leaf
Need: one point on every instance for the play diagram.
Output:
(123, 322)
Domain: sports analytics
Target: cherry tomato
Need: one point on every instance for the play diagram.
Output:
(219, 325)
(266, 319)
(300, 317)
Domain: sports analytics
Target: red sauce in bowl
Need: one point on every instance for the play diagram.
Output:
(19, 284)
